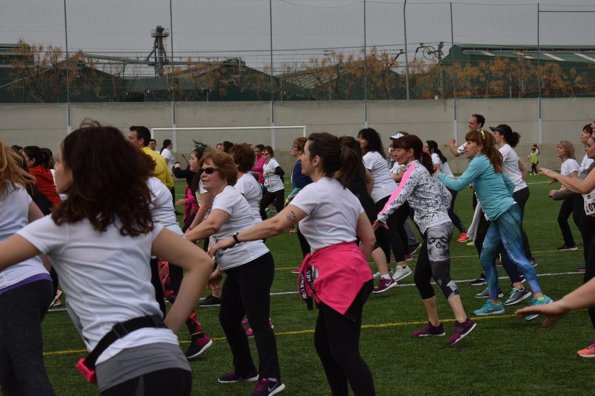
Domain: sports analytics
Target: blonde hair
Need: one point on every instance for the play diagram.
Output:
(12, 173)
(568, 147)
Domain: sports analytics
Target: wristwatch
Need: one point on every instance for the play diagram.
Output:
(235, 237)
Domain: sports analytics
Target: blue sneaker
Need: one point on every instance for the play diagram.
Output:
(489, 308)
(538, 301)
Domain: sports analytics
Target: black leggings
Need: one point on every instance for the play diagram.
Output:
(22, 370)
(456, 220)
(566, 209)
(588, 226)
(336, 339)
(246, 291)
(395, 237)
(173, 381)
(276, 198)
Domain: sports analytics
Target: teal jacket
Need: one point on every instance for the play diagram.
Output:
(494, 190)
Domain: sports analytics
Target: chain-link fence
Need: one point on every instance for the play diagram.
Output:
(281, 50)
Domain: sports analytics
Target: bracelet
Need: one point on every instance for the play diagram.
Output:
(235, 237)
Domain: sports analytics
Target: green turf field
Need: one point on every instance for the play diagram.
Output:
(504, 355)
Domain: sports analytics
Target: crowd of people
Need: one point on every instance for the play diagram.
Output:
(103, 230)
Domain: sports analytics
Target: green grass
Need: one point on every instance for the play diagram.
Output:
(504, 355)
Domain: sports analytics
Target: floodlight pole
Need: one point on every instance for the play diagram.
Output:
(406, 56)
(271, 74)
(454, 77)
(365, 71)
(539, 114)
(173, 91)
(68, 120)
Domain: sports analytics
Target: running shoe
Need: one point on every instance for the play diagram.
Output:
(233, 377)
(250, 332)
(517, 295)
(471, 243)
(479, 281)
(414, 248)
(408, 257)
(198, 345)
(210, 301)
(268, 387)
(567, 247)
(588, 352)
(429, 330)
(463, 238)
(489, 308)
(538, 301)
(461, 331)
(384, 285)
(296, 270)
(401, 272)
(486, 293)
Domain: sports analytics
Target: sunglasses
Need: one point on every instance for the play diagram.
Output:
(209, 170)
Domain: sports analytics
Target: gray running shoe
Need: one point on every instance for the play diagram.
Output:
(517, 295)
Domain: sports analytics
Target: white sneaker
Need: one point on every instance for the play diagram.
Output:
(401, 272)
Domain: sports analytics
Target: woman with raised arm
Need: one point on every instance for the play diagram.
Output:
(100, 240)
(25, 289)
(430, 201)
(494, 193)
(336, 274)
(586, 187)
(249, 270)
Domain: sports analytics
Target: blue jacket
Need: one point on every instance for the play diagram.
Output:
(494, 190)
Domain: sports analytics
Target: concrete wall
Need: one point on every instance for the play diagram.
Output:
(45, 124)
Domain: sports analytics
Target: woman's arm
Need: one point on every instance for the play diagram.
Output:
(369, 180)
(206, 200)
(197, 269)
(584, 186)
(289, 216)
(211, 225)
(15, 250)
(471, 173)
(34, 214)
(582, 297)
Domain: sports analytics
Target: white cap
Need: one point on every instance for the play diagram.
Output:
(397, 136)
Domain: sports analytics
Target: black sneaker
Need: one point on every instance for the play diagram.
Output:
(210, 301)
(567, 247)
(480, 281)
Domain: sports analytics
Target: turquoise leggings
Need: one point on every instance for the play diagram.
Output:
(506, 231)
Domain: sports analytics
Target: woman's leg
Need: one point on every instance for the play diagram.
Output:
(279, 200)
(487, 258)
(337, 344)
(456, 220)
(422, 278)
(509, 230)
(565, 211)
(266, 199)
(231, 314)
(22, 369)
(255, 280)
(391, 235)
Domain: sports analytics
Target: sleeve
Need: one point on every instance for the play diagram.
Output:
(225, 202)
(45, 235)
(444, 194)
(470, 175)
(307, 199)
(368, 160)
(436, 159)
(401, 193)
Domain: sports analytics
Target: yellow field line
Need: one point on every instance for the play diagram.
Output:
(305, 331)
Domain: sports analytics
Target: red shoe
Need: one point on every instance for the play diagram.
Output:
(462, 238)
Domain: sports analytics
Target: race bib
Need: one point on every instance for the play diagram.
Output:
(589, 203)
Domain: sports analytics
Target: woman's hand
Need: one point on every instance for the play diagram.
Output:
(222, 244)
(377, 224)
(553, 312)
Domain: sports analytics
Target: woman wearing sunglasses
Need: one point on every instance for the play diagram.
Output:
(336, 274)
(494, 191)
(249, 268)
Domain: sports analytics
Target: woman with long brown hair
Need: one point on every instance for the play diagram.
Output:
(100, 240)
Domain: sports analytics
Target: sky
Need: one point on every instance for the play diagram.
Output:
(301, 28)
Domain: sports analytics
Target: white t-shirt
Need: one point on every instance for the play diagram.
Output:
(249, 187)
(584, 167)
(444, 168)
(569, 166)
(272, 182)
(240, 218)
(162, 206)
(168, 157)
(384, 185)
(14, 215)
(511, 168)
(332, 213)
(106, 277)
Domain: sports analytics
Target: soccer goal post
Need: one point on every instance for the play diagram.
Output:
(281, 135)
